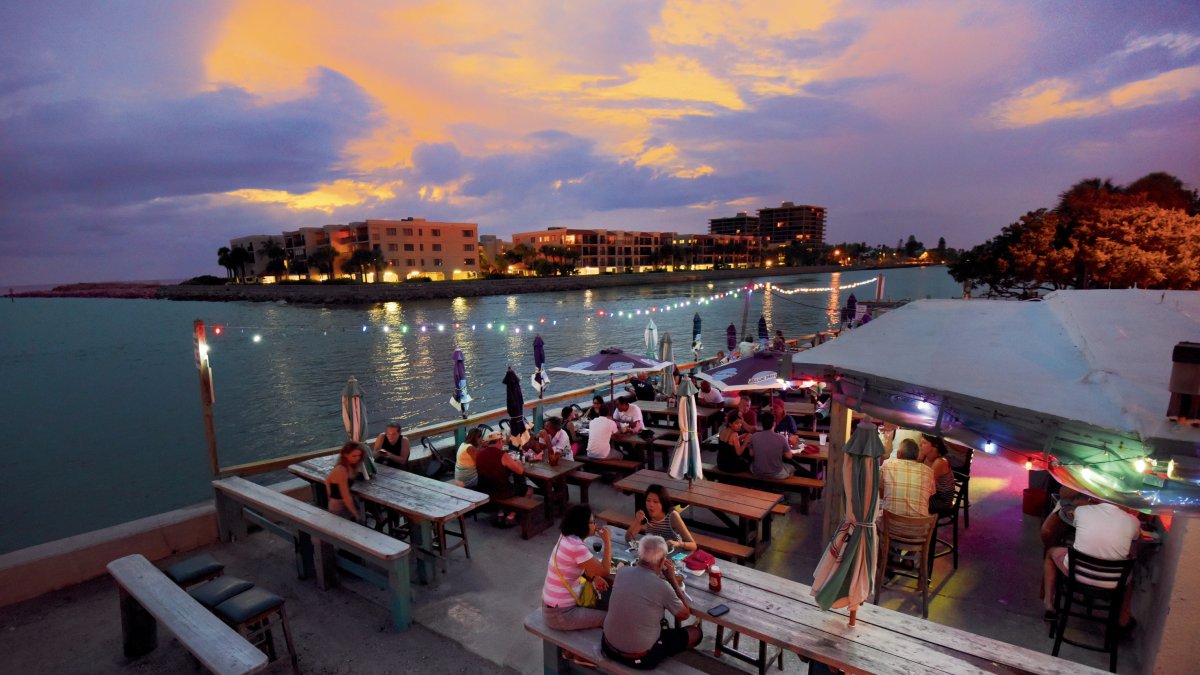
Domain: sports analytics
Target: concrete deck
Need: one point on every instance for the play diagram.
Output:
(471, 620)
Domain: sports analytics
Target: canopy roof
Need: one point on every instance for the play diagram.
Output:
(1079, 379)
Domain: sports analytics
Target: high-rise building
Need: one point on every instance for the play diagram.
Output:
(595, 251)
(741, 224)
(789, 222)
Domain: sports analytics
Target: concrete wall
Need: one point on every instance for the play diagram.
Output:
(1171, 613)
(32, 571)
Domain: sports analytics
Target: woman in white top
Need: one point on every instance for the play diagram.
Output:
(465, 473)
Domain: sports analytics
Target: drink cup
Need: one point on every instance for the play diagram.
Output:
(824, 438)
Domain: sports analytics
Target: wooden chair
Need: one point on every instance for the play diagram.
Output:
(1079, 595)
(906, 540)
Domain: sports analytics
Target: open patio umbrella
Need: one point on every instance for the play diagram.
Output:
(611, 362)
(731, 339)
(763, 334)
(651, 338)
(845, 577)
(461, 400)
(696, 337)
(685, 462)
(514, 403)
(540, 379)
(760, 370)
(354, 417)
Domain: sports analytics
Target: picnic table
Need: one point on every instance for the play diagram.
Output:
(553, 482)
(428, 504)
(750, 507)
(659, 412)
(782, 613)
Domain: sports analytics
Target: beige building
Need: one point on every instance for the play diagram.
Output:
(412, 247)
(597, 251)
(257, 246)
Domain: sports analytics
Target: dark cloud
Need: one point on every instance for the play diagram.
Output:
(90, 152)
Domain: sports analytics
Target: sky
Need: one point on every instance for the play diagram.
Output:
(136, 138)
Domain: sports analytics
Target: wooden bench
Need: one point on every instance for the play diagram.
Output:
(798, 484)
(586, 644)
(148, 597)
(317, 533)
(529, 514)
(722, 548)
(584, 480)
(611, 467)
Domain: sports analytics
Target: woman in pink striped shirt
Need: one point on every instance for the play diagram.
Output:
(571, 560)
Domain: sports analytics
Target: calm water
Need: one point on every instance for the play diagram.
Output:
(102, 419)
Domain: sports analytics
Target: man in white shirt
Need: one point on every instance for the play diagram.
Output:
(628, 416)
(600, 433)
(555, 439)
(709, 396)
(1102, 530)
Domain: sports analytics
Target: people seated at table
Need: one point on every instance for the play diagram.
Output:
(641, 388)
(659, 517)
(749, 415)
(768, 450)
(779, 344)
(1059, 526)
(942, 500)
(341, 478)
(784, 423)
(501, 475)
(391, 447)
(552, 438)
(570, 418)
(628, 416)
(597, 409)
(709, 395)
(465, 473)
(599, 444)
(905, 485)
(634, 631)
(1102, 530)
(732, 455)
(570, 562)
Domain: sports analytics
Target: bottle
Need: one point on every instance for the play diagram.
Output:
(714, 579)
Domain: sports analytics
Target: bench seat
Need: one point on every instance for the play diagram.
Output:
(584, 480)
(799, 484)
(623, 467)
(317, 533)
(722, 548)
(148, 597)
(586, 644)
(529, 514)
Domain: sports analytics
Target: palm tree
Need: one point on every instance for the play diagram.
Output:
(239, 257)
(323, 260)
(225, 260)
(360, 260)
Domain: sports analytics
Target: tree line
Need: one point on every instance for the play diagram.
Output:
(1099, 235)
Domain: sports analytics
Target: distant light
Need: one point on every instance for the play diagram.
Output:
(989, 447)
(422, 328)
(489, 326)
(257, 338)
(217, 330)
(386, 329)
(1028, 465)
(364, 329)
(441, 327)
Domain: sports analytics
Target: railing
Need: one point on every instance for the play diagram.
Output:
(458, 427)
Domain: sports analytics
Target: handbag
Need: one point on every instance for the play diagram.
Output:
(587, 596)
(699, 560)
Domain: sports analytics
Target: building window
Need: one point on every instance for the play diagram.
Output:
(393, 247)
(408, 231)
(437, 262)
(468, 247)
(410, 262)
(468, 233)
(470, 262)
(436, 233)
(420, 232)
(422, 246)
(408, 247)
(391, 231)
(437, 247)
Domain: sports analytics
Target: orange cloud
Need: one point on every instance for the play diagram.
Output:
(325, 198)
(1054, 99)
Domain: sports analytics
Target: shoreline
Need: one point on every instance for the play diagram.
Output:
(363, 294)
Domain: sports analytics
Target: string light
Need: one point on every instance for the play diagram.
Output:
(257, 338)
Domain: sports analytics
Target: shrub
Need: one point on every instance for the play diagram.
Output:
(204, 280)
(342, 281)
(417, 280)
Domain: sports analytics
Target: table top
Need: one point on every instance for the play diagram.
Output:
(408, 493)
(543, 471)
(661, 408)
(883, 640)
(732, 499)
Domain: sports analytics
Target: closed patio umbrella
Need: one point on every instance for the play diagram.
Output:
(651, 339)
(731, 339)
(696, 336)
(763, 334)
(666, 354)
(540, 379)
(354, 417)
(845, 577)
(685, 462)
(514, 403)
(461, 400)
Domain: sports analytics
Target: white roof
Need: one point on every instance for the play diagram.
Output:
(1098, 357)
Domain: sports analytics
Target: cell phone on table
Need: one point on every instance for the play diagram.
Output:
(719, 610)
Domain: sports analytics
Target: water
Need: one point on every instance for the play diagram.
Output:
(102, 420)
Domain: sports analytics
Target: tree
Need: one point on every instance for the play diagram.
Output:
(239, 257)
(1100, 235)
(364, 259)
(323, 260)
(225, 259)
(912, 247)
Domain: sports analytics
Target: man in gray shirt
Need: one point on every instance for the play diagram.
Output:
(633, 633)
(769, 449)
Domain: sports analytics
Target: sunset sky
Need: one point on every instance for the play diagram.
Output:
(138, 137)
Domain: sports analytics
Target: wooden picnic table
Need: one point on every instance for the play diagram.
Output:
(783, 613)
(428, 504)
(726, 502)
(659, 412)
(553, 481)
(646, 445)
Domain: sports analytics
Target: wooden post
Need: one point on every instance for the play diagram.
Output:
(834, 494)
(206, 394)
(400, 592)
(139, 628)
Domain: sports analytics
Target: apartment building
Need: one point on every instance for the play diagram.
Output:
(257, 246)
(775, 227)
(492, 249)
(742, 223)
(601, 250)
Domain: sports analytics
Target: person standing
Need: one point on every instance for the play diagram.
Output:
(633, 630)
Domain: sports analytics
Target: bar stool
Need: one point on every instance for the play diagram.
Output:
(251, 613)
(195, 570)
(948, 518)
(1093, 590)
(906, 539)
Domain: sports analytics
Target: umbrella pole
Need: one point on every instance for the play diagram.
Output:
(611, 386)
(853, 612)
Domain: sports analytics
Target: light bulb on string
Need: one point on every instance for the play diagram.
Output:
(257, 338)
